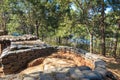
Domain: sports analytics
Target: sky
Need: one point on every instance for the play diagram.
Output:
(106, 11)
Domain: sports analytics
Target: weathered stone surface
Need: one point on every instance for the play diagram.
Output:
(33, 76)
(13, 61)
(76, 73)
(70, 64)
(60, 76)
(81, 68)
(17, 38)
(102, 71)
(46, 77)
(29, 78)
(92, 75)
(52, 63)
(100, 63)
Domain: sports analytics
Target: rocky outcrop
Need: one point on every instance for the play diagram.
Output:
(13, 61)
(70, 64)
(6, 40)
(17, 38)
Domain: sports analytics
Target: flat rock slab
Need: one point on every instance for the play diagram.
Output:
(63, 69)
(54, 63)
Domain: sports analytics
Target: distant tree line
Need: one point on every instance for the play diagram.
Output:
(56, 20)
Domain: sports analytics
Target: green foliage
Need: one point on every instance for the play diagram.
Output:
(13, 25)
(60, 18)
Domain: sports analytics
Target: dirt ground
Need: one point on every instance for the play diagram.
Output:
(113, 65)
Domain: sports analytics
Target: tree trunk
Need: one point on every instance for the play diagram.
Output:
(115, 44)
(103, 31)
(37, 29)
(66, 41)
(103, 47)
(42, 37)
(4, 23)
(91, 43)
(58, 40)
(31, 30)
(116, 41)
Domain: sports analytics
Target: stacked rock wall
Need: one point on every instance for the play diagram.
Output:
(84, 58)
(13, 61)
(4, 44)
(94, 61)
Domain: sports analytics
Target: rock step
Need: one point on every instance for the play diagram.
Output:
(68, 73)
